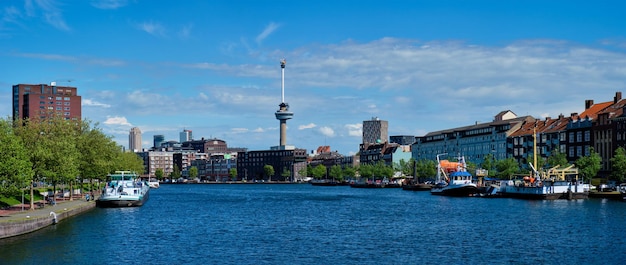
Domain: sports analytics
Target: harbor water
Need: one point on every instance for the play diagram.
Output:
(304, 224)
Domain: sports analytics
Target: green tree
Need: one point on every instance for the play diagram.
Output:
(557, 159)
(303, 171)
(268, 170)
(52, 150)
(97, 153)
(193, 172)
(233, 173)
(336, 172)
(489, 163)
(129, 161)
(506, 167)
(158, 173)
(175, 174)
(618, 165)
(319, 171)
(349, 172)
(425, 169)
(588, 166)
(286, 174)
(15, 168)
(366, 171)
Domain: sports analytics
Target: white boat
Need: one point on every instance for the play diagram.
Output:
(154, 183)
(124, 189)
(453, 179)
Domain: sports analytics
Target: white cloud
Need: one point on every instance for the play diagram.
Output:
(355, 129)
(269, 29)
(239, 130)
(259, 130)
(109, 4)
(89, 102)
(327, 131)
(152, 28)
(307, 126)
(117, 121)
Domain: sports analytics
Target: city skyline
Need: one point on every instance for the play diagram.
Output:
(213, 67)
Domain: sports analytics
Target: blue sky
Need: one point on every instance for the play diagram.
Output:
(214, 66)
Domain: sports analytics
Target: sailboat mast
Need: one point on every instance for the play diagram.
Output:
(535, 149)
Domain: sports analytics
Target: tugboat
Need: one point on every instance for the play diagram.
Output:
(453, 179)
(124, 189)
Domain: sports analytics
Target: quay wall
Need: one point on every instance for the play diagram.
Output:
(21, 224)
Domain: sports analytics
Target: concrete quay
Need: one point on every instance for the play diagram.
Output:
(17, 222)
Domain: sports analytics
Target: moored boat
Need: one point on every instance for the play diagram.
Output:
(154, 183)
(124, 189)
(453, 179)
(323, 182)
(554, 184)
(622, 191)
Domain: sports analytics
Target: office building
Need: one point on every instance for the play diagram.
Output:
(44, 101)
(134, 140)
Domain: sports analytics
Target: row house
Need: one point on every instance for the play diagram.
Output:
(606, 129)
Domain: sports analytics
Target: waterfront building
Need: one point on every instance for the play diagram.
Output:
(185, 136)
(153, 160)
(287, 165)
(44, 101)
(402, 139)
(208, 146)
(134, 140)
(550, 135)
(474, 142)
(157, 140)
(371, 153)
(580, 129)
(375, 131)
(605, 132)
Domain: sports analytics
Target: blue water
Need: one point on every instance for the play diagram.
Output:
(303, 224)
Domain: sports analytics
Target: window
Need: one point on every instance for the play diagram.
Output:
(571, 137)
(59, 108)
(67, 114)
(59, 102)
(66, 103)
(571, 151)
(59, 98)
(587, 136)
(66, 98)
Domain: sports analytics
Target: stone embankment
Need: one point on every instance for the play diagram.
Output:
(17, 222)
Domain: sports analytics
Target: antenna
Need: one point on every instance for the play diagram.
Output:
(283, 62)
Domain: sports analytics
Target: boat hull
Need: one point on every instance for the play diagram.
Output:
(540, 193)
(460, 191)
(122, 201)
(418, 187)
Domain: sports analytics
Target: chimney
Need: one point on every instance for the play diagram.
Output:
(574, 114)
(588, 103)
(618, 97)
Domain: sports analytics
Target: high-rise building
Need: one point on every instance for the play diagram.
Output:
(375, 131)
(44, 101)
(134, 140)
(185, 136)
(158, 139)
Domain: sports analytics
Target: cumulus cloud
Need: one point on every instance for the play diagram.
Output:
(117, 121)
(307, 126)
(327, 131)
(355, 129)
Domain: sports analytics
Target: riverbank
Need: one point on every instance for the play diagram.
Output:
(15, 222)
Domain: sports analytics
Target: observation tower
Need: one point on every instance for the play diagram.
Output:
(283, 114)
